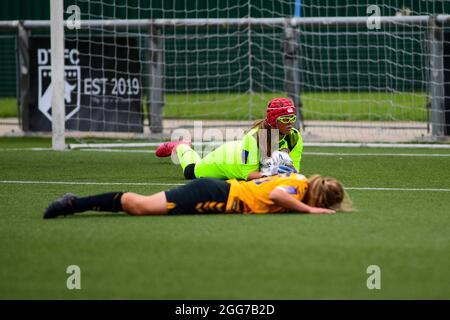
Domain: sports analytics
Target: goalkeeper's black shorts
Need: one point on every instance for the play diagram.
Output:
(204, 195)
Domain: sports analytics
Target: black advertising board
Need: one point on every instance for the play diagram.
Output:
(103, 85)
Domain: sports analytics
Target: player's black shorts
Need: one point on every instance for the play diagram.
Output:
(204, 195)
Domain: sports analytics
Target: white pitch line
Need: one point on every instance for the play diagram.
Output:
(398, 189)
(305, 153)
(120, 151)
(326, 154)
(91, 183)
(180, 184)
(378, 154)
(94, 150)
(26, 149)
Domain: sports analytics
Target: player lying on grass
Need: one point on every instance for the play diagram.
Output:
(252, 157)
(279, 193)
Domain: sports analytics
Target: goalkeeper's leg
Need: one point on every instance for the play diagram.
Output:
(188, 158)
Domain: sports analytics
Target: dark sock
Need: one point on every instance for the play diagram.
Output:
(189, 171)
(101, 202)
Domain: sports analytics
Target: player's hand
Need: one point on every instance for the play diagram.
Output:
(321, 210)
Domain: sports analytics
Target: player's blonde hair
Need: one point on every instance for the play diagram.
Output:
(327, 192)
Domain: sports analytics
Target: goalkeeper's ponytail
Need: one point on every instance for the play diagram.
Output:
(260, 124)
(265, 147)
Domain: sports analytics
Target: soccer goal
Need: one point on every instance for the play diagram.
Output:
(141, 69)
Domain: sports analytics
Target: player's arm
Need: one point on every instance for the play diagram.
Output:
(282, 198)
(255, 175)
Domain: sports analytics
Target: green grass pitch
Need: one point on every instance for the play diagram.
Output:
(290, 256)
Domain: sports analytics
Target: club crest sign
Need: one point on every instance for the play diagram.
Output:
(72, 90)
(102, 85)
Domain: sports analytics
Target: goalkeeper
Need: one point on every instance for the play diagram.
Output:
(270, 147)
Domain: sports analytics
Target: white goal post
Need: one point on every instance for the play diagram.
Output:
(57, 69)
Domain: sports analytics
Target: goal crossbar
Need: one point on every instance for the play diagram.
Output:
(233, 22)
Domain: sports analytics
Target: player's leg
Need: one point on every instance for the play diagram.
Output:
(198, 196)
(129, 202)
(139, 205)
(225, 162)
(194, 167)
(188, 158)
(203, 195)
(70, 204)
(186, 155)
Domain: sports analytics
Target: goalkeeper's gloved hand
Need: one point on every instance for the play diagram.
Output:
(281, 157)
(269, 167)
(286, 169)
(269, 171)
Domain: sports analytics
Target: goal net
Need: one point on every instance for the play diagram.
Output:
(139, 68)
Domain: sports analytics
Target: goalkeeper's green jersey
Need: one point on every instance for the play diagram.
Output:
(237, 159)
(226, 162)
(292, 141)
